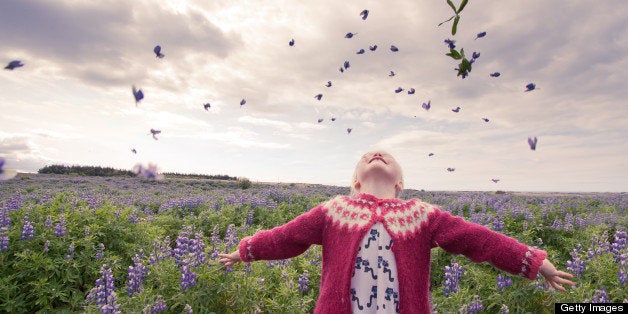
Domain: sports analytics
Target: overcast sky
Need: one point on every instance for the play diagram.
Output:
(71, 103)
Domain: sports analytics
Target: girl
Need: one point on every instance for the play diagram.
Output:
(376, 247)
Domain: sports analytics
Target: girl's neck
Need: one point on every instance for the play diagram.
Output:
(379, 190)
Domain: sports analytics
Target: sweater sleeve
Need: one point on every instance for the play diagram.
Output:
(285, 241)
(481, 244)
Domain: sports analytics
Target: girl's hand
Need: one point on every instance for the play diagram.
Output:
(554, 277)
(229, 259)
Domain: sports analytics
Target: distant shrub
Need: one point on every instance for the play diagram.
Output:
(500, 192)
(244, 183)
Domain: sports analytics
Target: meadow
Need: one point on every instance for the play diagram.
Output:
(124, 244)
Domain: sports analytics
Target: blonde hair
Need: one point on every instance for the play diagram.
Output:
(354, 192)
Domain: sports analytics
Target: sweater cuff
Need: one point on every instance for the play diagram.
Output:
(531, 263)
(244, 248)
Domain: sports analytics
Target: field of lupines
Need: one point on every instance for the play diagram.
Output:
(92, 244)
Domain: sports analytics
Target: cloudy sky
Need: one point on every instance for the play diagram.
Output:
(71, 103)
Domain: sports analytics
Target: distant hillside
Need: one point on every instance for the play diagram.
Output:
(97, 171)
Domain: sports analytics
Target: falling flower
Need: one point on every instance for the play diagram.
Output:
(411, 91)
(530, 87)
(149, 172)
(364, 14)
(394, 48)
(480, 35)
(319, 96)
(392, 73)
(451, 169)
(450, 43)
(137, 94)
(430, 154)
(427, 105)
(207, 106)
(495, 74)
(341, 70)
(154, 133)
(157, 51)
(398, 90)
(457, 109)
(328, 84)
(349, 130)
(6, 174)
(346, 65)
(242, 102)
(133, 150)
(495, 180)
(350, 35)
(532, 143)
(475, 55)
(333, 119)
(320, 120)
(291, 43)
(361, 51)
(14, 64)
(485, 119)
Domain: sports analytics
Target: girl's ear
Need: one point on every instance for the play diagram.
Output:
(356, 185)
(399, 186)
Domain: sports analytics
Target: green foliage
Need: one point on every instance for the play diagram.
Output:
(244, 183)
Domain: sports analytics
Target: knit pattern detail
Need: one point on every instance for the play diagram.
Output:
(400, 218)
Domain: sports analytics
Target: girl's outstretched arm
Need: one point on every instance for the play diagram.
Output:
(229, 259)
(554, 277)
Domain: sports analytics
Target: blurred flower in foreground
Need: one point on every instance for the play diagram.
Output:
(14, 64)
(147, 172)
(532, 143)
(6, 174)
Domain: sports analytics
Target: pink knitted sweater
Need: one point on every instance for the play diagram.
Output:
(415, 227)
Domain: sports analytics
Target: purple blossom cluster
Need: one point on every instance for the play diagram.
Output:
(304, 281)
(231, 238)
(100, 252)
(70, 251)
(159, 305)
(28, 231)
(47, 246)
(136, 275)
(188, 277)
(475, 305)
(576, 265)
(103, 294)
(498, 224)
(619, 244)
(48, 222)
(190, 248)
(60, 228)
(453, 274)
(5, 224)
(503, 281)
(600, 296)
(161, 251)
(622, 273)
(599, 246)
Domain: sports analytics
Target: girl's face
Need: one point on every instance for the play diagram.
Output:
(379, 165)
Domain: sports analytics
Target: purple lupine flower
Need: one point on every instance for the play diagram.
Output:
(532, 143)
(231, 238)
(480, 35)
(623, 269)
(476, 305)
(619, 244)
(249, 219)
(47, 246)
(188, 277)
(530, 87)
(103, 294)
(60, 229)
(137, 272)
(495, 74)
(427, 105)
(568, 225)
(599, 296)
(48, 222)
(304, 281)
(557, 224)
(160, 305)
(453, 274)
(70, 251)
(182, 246)
(450, 43)
(28, 231)
(4, 239)
(503, 281)
(100, 252)
(498, 224)
(151, 171)
(576, 265)
(197, 249)
(475, 55)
